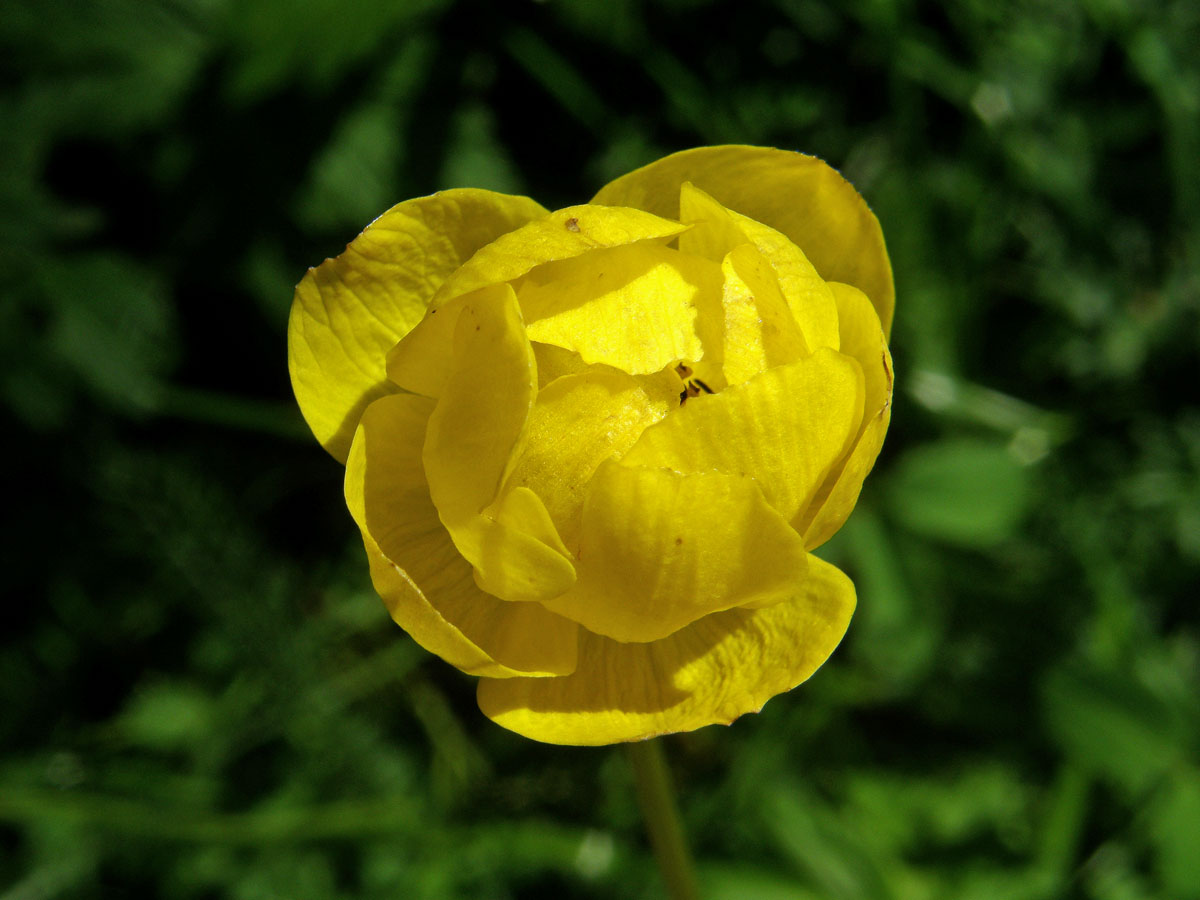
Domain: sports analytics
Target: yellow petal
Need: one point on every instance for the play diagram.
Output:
(862, 338)
(786, 428)
(630, 307)
(577, 423)
(348, 312)
(419, 362)
(795, 194)
(516, 551)
(659, 550)
(555, 362)
(760, 331)
(427, 586)
(476, 423)
(721, 667)
(718, 230)
(474, 435)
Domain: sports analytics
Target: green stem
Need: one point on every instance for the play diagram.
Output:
(657, 799)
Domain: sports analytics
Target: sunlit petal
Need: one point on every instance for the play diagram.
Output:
(718, 230)
(798, 195)
(631, 307)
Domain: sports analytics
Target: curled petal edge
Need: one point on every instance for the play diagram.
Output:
(715, 670)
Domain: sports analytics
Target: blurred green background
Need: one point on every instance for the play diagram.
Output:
(200, 696)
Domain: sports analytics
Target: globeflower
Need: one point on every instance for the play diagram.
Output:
(590, 451)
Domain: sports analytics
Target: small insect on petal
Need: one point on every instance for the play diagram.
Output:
(572, 224)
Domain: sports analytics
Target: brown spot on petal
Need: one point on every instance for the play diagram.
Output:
(572, 224)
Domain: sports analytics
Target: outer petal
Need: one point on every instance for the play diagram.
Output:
(629, 307)
(786, 428)
(577, 423)
(349, 311)
(719, 230)
(426, 584)
(796, 194)
(419, 362)
(659, 550)
(474, 435)
(721, 667)
(863, 339)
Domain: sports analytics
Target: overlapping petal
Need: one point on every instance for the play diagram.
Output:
(786, 429)
(427, 585)
(760, 331)
(659, 550)
(631, 307)
(798, 195)
(862, 338)
(718, 230)
(577, 423)
(713, 671)
(419, 363)
(474, 436)
(349, 311)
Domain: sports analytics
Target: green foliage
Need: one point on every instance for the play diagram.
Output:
(963, 491)
(201, 695)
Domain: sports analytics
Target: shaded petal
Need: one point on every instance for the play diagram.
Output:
(474, 433)
(760, 331)
(349, 311)
(427, 586)
(862, 338)
(786, 428)
(718, 230)
(419, 363)
(659, 550)
(516, 550)
(555, 362)
(798, 195)
(629, 307)
(721, 667)
(478, 420)
(577, 423)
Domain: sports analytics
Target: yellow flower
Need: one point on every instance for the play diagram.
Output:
(590, 450)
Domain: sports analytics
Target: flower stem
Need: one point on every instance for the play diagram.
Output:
(657, 799)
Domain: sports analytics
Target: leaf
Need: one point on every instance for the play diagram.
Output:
(1175, 831)
(353, 179)
(167, 717)
(1111, 725)
(113, 325)
(962, 491)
